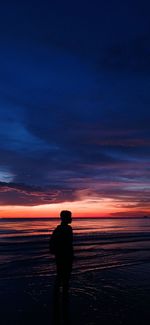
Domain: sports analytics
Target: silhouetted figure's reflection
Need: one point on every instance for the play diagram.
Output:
(61, 245)
(60, 309)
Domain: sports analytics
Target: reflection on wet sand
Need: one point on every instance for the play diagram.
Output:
(61, 315)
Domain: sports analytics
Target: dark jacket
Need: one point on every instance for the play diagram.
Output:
(61, 242)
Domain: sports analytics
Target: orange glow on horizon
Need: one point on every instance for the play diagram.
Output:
(85, 208)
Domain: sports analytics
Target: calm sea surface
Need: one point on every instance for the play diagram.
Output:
(99, 244)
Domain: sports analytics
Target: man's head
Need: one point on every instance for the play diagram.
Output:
(65, 216)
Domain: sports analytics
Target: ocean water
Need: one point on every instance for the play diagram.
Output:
(99, 244)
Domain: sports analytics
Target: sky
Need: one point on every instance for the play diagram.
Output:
(75, 108)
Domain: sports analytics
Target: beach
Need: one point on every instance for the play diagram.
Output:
(110, 282)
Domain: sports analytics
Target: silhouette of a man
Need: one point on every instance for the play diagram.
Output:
(61, 245)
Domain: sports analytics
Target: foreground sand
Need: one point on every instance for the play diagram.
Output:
(113, 296)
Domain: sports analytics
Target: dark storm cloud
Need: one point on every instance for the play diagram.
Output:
(74, 89)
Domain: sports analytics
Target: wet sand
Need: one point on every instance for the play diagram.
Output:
(110, 282)
(114, 296)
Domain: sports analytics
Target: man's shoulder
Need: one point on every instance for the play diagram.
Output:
(68, 227)
(57, 229)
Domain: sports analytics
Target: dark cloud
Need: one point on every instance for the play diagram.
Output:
(133, 55)
(22, 194)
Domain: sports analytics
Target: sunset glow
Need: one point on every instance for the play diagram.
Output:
(74, 111)
(86, 208)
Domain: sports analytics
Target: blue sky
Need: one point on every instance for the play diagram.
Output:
(74, 102)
